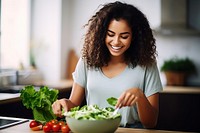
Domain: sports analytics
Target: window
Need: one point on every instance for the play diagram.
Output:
(15, 33)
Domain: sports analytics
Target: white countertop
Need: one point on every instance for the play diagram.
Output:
(9, 97)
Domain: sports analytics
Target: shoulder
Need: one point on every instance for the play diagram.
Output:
(81, 62)
(152, 67)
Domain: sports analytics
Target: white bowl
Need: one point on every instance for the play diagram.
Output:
(93, 126)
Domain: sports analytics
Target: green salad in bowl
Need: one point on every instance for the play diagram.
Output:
(90, 118)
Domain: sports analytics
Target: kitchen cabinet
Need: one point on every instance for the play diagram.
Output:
(15, 109)
(179, 109)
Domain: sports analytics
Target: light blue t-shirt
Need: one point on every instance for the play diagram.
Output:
(98, 87)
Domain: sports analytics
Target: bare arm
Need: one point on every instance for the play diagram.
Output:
(76, 98)
(148, 107)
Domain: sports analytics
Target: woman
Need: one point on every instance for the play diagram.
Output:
(118, 60)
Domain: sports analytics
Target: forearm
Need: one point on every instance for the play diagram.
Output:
(148, 113)
(77, 95)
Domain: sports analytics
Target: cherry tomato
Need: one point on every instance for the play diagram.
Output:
(33, 123)
(65, 129)
(50, 124)
(61, 123)
(54, 121)
(46, 128)
(37, 128)
(56, 127)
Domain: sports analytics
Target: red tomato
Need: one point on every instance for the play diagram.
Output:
(56, 127)
(46, 128)
(50, 124)
(54, 121)
(65, 129)
(37, 128)
(61, 123)
(33, 123)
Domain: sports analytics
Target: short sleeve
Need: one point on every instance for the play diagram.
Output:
(80, 73)
(152, 80)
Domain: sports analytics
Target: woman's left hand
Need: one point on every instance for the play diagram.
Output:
(129, 97)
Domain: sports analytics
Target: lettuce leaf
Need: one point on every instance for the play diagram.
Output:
(39, 101)
(112, 101)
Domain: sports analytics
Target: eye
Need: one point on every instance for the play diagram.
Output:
(124, 37)
(110, 34)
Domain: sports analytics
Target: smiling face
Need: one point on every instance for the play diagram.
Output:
(118, 38)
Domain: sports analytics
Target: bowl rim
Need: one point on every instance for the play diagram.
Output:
(93, 120)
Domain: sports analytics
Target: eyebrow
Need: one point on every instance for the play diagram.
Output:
(120, 33)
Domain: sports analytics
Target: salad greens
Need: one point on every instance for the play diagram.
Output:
(92, 112)
(112, 101)
(39, 101)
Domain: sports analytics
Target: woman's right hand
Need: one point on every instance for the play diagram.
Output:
(58, 105)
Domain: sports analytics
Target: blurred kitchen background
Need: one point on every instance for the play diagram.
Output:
(38, 35)
(41, 41)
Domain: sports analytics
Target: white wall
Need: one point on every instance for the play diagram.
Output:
(46, 37)
(15, 23)
(65, 37)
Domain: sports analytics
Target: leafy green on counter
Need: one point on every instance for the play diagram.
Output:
(112, 101)
(39, 101)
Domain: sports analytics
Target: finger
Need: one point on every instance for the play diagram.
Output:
(120, 100)
(63, 103)
(130, 99)
(134, 101)
(54, 105)
(56, 108)
(126, 99)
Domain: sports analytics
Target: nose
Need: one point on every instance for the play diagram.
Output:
(116, 40)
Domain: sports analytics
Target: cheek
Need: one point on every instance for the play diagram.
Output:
(127, 42)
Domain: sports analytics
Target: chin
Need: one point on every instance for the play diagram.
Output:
(115, 54)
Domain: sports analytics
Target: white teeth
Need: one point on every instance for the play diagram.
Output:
(116, 48)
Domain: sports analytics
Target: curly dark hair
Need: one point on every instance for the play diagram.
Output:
(142, 50)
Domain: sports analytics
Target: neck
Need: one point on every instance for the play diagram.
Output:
(117, 59)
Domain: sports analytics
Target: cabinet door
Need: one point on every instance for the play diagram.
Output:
(179, 112)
